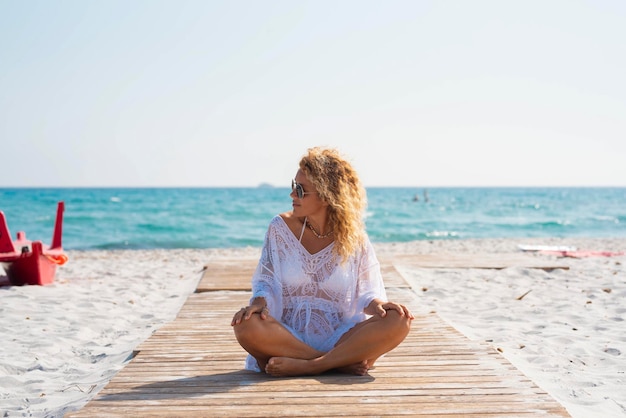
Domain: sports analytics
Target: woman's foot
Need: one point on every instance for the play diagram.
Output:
(285, 366)
(358, 369)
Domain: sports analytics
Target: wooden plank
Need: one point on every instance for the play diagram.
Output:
(477, 261)
(227, 274)
(193, 367)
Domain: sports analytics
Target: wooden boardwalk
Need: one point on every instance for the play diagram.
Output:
(193, 367)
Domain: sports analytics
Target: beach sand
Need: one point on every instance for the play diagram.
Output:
(564, 329)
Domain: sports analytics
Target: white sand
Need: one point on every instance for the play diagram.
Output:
(63, 342)
(568, 334)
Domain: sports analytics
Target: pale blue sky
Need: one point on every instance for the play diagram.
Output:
(232, 93)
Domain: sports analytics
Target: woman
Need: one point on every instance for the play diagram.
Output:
(318, 301)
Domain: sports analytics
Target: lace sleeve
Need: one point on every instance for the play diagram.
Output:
(370, 279)
(266, 281)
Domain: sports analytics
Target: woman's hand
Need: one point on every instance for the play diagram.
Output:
(378, 307)
(245, 313)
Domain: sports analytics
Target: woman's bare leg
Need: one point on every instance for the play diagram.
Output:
(364, 343)
(267, 338)
(361, 368)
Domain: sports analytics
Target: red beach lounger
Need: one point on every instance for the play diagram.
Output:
(31, 262)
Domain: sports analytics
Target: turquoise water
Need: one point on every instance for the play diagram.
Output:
(237, 217)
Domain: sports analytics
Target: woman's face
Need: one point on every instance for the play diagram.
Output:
(310, 203)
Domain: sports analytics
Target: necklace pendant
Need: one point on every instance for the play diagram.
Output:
(320, 236)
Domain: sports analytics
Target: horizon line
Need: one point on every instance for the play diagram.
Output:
(270, 186)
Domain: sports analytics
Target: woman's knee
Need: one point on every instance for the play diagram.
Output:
(249, 329)
(401, 324)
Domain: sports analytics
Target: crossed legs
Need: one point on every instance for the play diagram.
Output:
(279, 353)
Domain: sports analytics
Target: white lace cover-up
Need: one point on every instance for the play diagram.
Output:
(314, 296)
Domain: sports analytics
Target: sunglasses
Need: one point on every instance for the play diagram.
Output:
(299, 189)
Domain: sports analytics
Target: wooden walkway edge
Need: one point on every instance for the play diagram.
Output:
(193, 367)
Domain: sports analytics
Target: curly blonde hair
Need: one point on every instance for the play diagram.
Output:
(339, 185)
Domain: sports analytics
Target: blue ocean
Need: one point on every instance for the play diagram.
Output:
(149, 218)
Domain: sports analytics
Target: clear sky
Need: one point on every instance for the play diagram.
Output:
(232, 93)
